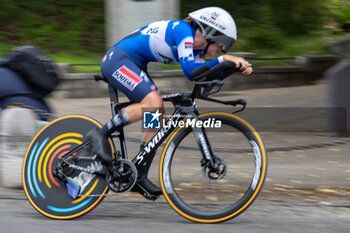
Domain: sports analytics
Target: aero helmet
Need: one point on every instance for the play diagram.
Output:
(216, 24)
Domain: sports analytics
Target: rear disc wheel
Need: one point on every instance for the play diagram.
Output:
(44, 190)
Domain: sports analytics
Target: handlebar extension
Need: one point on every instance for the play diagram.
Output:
(220, 71)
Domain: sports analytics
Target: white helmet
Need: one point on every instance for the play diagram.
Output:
(216, 24)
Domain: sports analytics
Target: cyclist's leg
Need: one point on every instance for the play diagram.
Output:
(128, 77)
(125, 74)
(151, 102)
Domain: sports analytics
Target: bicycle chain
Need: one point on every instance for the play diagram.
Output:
(100, 195)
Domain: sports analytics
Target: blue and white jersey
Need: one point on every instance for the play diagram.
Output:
(169, 42)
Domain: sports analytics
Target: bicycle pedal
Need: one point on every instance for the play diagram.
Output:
(73, 188)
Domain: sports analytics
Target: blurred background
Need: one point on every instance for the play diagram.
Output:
(77, 30)
(301, 56)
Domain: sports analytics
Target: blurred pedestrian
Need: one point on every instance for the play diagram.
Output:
(26, 78)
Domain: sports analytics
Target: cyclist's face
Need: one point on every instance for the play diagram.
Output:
(214, 49)
(200, 43)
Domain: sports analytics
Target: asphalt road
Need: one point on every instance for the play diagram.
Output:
(306, 190)
(114, 215)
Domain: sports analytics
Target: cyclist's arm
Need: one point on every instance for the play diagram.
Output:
(187, 59)
(241, 63)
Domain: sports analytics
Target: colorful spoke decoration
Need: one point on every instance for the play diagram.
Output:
(45, 191)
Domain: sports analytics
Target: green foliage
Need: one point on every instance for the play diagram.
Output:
(340, 10)
(298, 17)
(288, 16)
(344, 18)
(275, 25)
(264, 26)
(239, 9)
(262, 37)
(63, 25)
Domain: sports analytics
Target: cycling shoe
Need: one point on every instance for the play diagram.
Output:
(99, 144)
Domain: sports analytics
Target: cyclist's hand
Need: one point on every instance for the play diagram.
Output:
(241, 63)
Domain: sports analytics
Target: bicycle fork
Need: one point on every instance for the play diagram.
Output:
(203, 143)
(202, 139)
(213, 166)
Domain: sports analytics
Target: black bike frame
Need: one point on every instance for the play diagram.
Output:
(206, 80)
(184, 107)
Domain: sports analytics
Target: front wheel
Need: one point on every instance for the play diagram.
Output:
(200, 195)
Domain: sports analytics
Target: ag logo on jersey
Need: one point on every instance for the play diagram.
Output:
(151, 120)
(127, 77)
(153, 30)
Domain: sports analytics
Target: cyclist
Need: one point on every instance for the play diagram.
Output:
(205, 31)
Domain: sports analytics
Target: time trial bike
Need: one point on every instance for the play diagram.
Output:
(211, 169)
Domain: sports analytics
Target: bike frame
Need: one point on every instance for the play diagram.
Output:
(206, 82)
(184, 106)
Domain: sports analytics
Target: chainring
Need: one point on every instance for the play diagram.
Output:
(122, 176)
